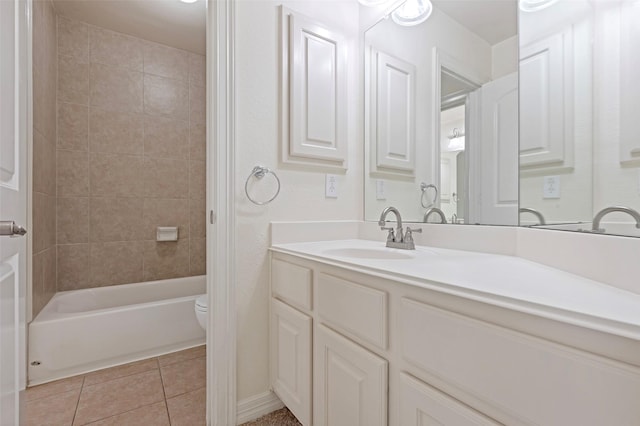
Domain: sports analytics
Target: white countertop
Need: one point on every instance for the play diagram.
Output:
(505, 281)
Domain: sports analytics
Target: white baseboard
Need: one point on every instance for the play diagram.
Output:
(256, 406)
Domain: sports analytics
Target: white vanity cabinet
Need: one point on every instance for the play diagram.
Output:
(389, 350)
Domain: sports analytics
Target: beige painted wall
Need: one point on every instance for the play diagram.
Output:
(257, 142)
(131, 157)
(44, 154)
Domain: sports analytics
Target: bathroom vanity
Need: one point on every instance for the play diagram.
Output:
(367, 335)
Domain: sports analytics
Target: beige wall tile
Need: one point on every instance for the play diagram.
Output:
(114, 175)
(188, 409)
(49, 221)
(73, 80)
(198, 218)
(73, 38)
(197, 256)
(73, 266)
(111, 48)
(45, 63)
(154, 414)
(197, 70)
(124, 394)
(37, 286)
(54, 410)
(166, 97)
(198, 141)
(166, 212)
(115, 219)
(166, 138)
(197, 105)
(39, 214)
(73, 126)
(115, 88)
(184, 376)
(49, 272)
(73, 220)
(197, 179)
(166, 260)
(166, 61)
(166, 178)
(73, 173)
(116, 132)
(116, 263)
(44, 164)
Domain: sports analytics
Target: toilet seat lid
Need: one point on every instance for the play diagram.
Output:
(201, 302)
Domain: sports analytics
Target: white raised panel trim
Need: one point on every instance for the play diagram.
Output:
(421, 404)
(291, 359)
(350, 383)
(314, 92)
(547, 101)
(629, 84)
(354, 309)
(392, 97)
(483, 360)
(257, 406)
(292, 284)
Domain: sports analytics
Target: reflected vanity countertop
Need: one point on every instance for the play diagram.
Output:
(505, 281)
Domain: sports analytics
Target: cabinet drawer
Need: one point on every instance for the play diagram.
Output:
(421, 404)
(292, 283)
(354, 309)
(521, 377)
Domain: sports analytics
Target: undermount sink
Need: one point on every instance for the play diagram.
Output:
(368, 253)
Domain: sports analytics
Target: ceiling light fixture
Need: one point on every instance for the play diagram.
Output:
(412, 12)
(535, 5)
(456, 140)
(188, 1)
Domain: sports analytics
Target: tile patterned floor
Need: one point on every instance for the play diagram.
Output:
(162, 391)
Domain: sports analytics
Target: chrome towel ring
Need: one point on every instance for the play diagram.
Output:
(424, 187)
(259, 172)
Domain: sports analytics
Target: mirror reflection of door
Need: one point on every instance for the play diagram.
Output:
(454, 170)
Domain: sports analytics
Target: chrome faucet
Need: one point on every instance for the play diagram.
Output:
(534, 212)
(436, 210)
(396, 238)
(596, 220)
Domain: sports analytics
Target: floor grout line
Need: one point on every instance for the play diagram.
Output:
(164, 393)
(118, 414)
(75, 412)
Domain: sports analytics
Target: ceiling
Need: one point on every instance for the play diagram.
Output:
(169, 22)
(492, 20)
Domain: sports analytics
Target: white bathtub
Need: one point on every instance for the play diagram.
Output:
(85, 330)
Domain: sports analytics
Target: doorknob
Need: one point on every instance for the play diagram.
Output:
(9, 227)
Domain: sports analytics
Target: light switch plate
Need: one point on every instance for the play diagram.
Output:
(551, 187)
(331, 189)
(380, 190)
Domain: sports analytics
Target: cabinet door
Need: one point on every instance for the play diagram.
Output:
(291, 359)
(350, 383)
(423, 405)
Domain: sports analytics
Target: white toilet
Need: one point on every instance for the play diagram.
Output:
(201, 311)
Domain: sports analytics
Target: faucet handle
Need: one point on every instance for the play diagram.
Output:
(408, 235)
(391, 235)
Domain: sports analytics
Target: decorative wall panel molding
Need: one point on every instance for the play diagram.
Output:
(314, 92)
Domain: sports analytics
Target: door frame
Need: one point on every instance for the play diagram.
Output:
(221, 325)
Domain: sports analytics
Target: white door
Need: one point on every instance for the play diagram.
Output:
(499, 151)
(13, 206)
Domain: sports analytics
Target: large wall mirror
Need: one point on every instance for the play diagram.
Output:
(441, 113)
(580, 123)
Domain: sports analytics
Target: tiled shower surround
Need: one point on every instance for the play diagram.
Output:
(130, 157)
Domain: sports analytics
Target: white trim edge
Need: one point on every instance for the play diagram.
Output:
(257, 406)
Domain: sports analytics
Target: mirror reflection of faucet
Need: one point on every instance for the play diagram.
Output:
(595, 227)
(534, 212)
(396, 238)
(437, 211)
